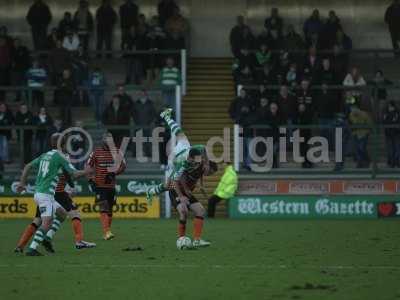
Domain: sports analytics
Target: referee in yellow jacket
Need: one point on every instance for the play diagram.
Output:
(225, 190)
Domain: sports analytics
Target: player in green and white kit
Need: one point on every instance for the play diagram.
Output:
(183, 157)
(49, 165)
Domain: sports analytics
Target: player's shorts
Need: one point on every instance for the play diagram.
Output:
(46, 203)
(175, 202)
(64, 200)
(105, 194)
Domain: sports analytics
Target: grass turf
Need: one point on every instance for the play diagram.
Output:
(248, 260)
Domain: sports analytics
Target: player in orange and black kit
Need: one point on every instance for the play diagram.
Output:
(64, 199)
(185, 185)
(106, 162)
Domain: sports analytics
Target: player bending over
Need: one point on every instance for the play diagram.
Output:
(64, 199)
(50, 165)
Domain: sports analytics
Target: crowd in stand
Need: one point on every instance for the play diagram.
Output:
(61, 62)
(292, 78)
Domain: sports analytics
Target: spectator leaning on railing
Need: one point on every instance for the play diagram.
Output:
(170, 77)
(36, 78)
(6, 119)
(391, 117)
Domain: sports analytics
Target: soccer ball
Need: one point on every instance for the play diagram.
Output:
(183, 243)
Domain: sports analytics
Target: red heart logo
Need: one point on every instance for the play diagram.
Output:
(386, 209)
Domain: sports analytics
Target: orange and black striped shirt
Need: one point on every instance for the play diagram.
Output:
(102, 160)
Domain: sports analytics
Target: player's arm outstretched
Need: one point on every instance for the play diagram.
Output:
(25, 172)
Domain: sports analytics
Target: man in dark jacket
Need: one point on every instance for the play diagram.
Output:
(392, 19)
(21, 62)
(65, 96)
(312, 27)
(128, 15)
(236, 34)
(144, 115)
(274, 23)
(392, 118)
(39, 18)
(83, 21)
(242, 112)
(165, 10)
(66, 24)
(24, 117)
(59, 60)
(106, 18)
(115, 114)
(304, 117)
(6, 119)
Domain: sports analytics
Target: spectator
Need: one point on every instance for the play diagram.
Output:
(265, 76)
(52, 39)
(124, 99)
(166, 10)
(287, 104)
(339, 62)
(115, 115)
(312, 64)
(263, 56)
(225, 190)
(312, 28)
(6, 119)
(274, 24)
(56, 127)
(106, 18)
(279, 72)
(304, 117)
(392, 117)
(241, 112)
(21, 62)
(43, 122)
(244, 76)
(306, 96)
(176, 24)
(330, 29)
(326, 74)
(83, 20)
(128, 15)
(236, 34)
(170, 77)
(293, 41)
(71, 41)
(174, 41)
(246, 40)
(59, 60)
(327, 103)
(36, 78)
(155, 40)
(360, 118)
(380, 93)
(5, 65)
(39, 18)
(134, 66)
(80, 68)
(343, 41)
(65, 96)
(354, 79)
(4, 34)
(24, 117)
(144, 115)
(292, 76)
(392, 19)
(96, 84)
(66, 24)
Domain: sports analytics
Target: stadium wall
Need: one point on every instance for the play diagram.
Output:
(211, 20)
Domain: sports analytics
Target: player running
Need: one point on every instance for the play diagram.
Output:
(64, 199)
(187, 165)
(50, 166)
(106, 162)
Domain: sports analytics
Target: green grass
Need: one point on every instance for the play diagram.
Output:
(248, 260)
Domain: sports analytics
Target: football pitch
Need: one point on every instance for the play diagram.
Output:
(255, 259)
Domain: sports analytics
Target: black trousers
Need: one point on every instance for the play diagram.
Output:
(104, 37)
(39, 36)
(212, 204)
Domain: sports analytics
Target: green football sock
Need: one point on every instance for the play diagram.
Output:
(54, 228)
(37, 239)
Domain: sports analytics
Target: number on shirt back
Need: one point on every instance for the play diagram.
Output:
(44, 168)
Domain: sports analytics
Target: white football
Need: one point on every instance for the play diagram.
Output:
(183, 243)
